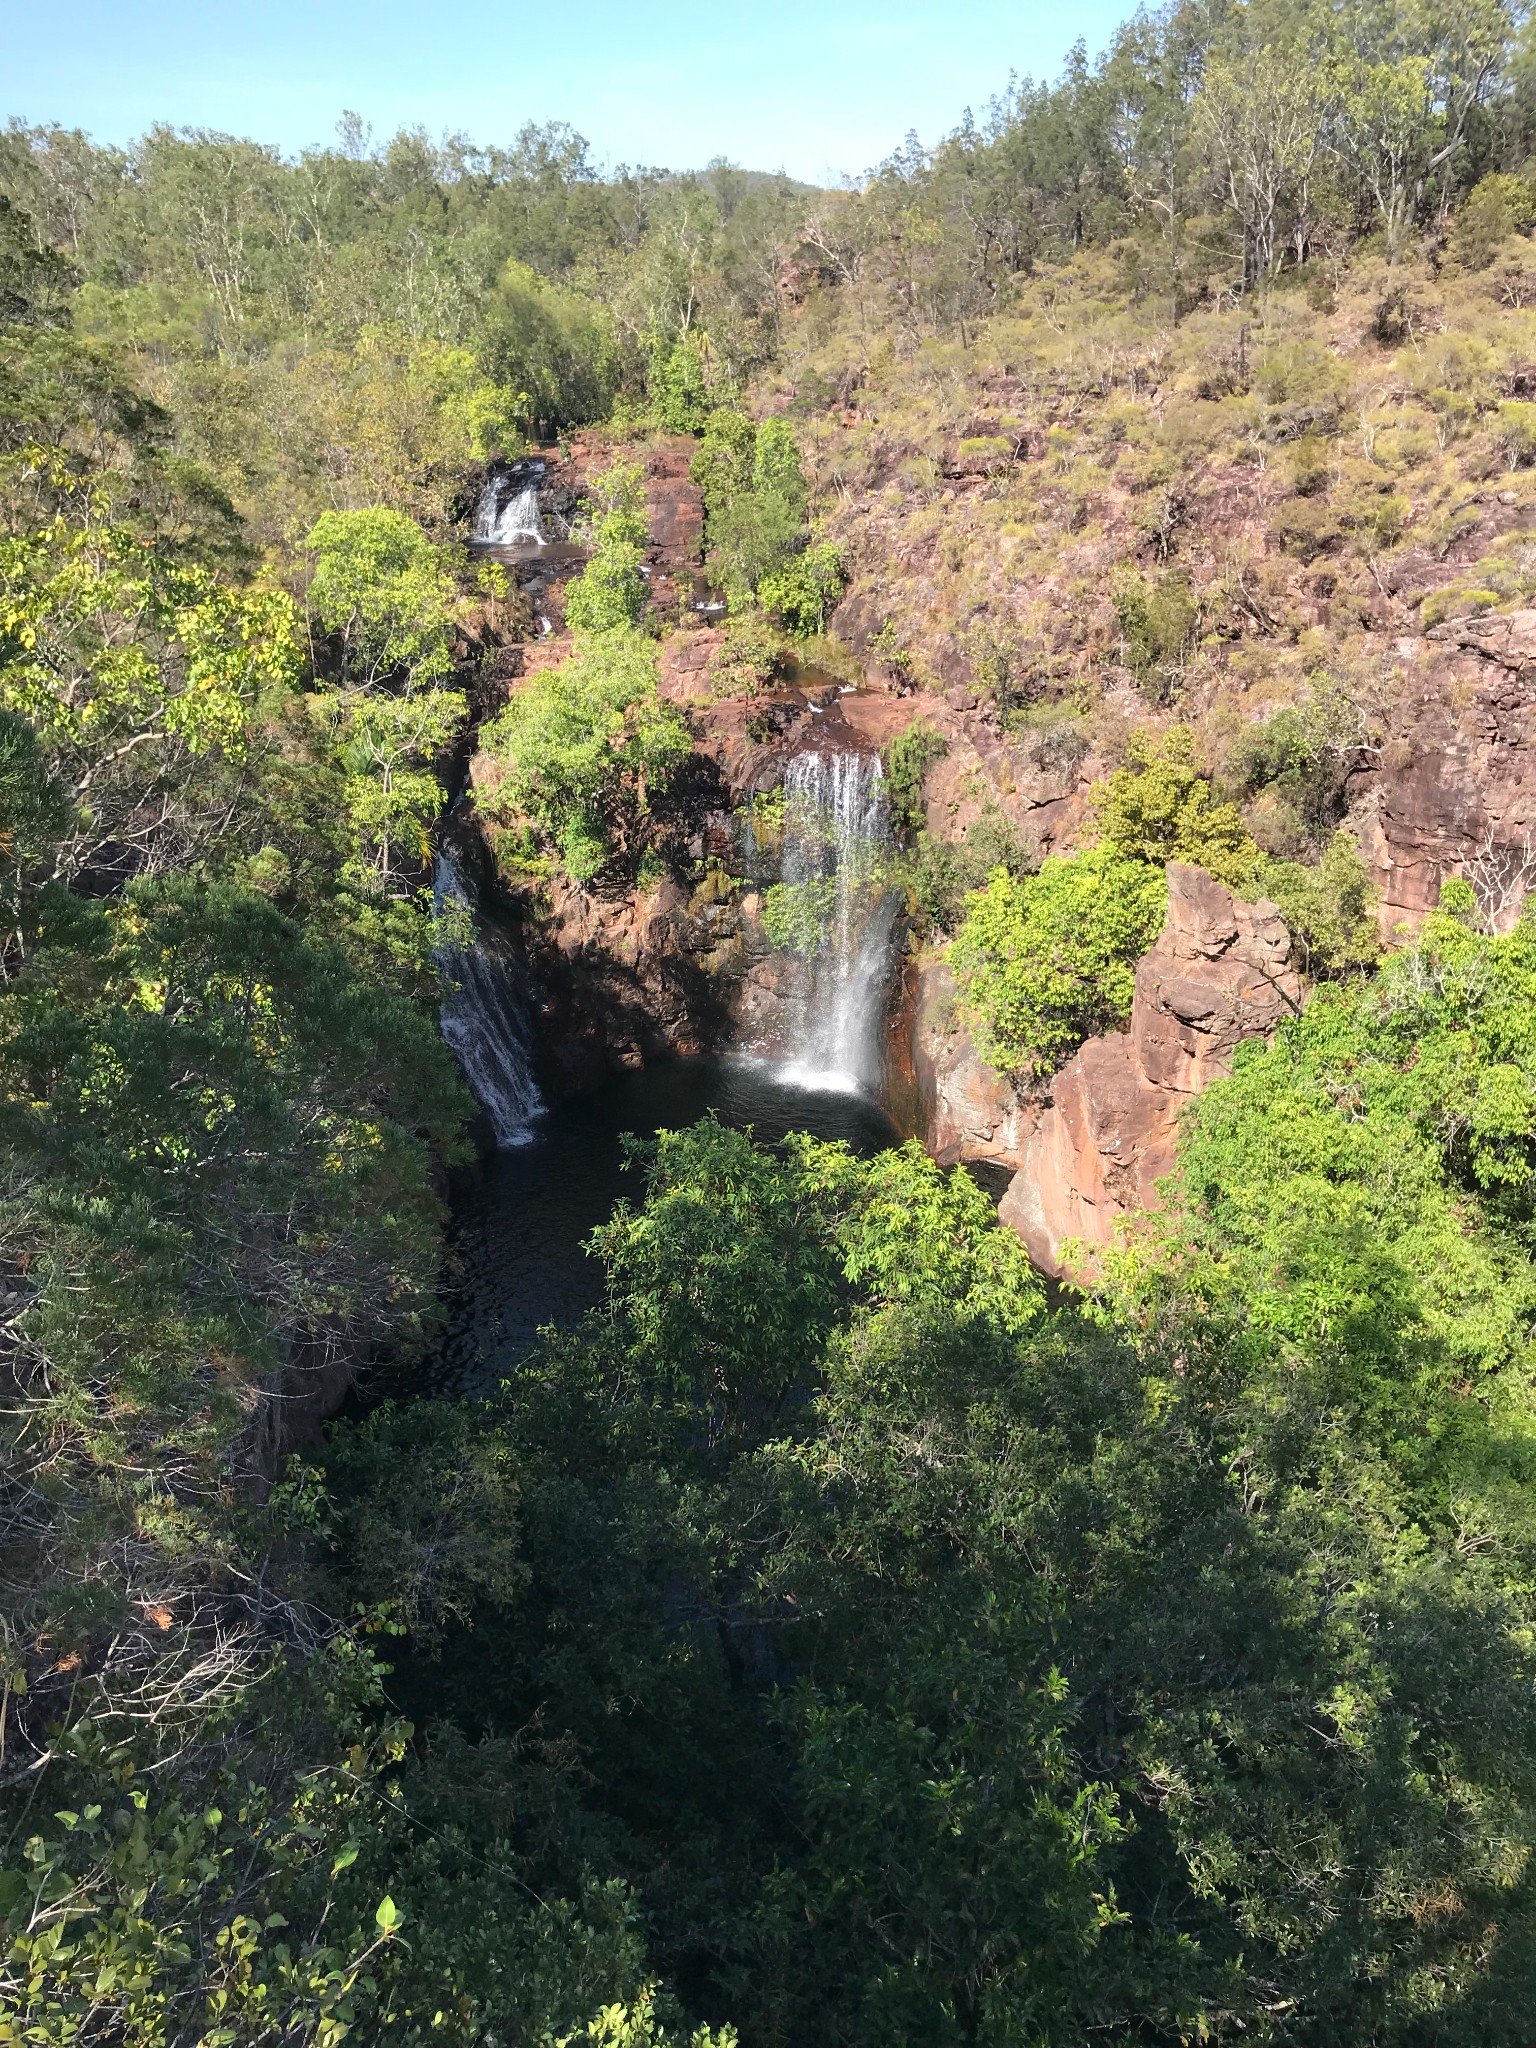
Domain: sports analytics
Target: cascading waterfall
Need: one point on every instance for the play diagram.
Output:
(837, 901)
(501, 525)
(483, 1021)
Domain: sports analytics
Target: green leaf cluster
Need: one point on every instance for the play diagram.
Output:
(1329, 909)
(1159, 808)
(906, 762)
(1046, 960)
(583, 749)
(609, 594)
(754, 519)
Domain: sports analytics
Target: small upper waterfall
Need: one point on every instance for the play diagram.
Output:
(504, 516)
(836, 901)
(482, 1019)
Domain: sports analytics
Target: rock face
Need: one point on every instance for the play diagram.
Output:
(971, 1111)
(1096, 1148)
(1455, 788)
(621, 980)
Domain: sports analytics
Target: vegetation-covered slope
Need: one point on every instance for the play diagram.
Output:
(835, 1639)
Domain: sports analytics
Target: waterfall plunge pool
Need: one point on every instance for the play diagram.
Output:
(520, 1225)
(521, 1222)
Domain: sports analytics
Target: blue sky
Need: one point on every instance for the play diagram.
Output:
(820, 88)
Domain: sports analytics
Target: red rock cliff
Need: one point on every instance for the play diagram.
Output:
(1095, 1149)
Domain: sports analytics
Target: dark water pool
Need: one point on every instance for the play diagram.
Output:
(521, 1225)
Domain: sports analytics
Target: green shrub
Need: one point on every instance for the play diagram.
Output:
(582, 749)
(1310, 465)
(1306, 528)
(1496, 208)
(1305, 387)
(1304, 753)
(1157, 623)
(805, 590)
(380, 591)
(797, 916)
(907, 760)
(609, 594)
(747, 655)
(1330, 908)
(1160, 809)
(679, 393)
(1045, 961)
(990, 452)
(754, 520)
(1517, 430)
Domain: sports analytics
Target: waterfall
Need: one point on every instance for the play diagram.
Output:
(483, 1020)
(500, 525)
(835, 900)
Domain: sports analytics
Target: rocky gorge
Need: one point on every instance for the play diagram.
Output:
(683, 965)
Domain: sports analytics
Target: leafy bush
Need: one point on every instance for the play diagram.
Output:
(380, 590)
(745, 657)
(938, 874)
(754, 514)
(797, 916)
(1344, 1181)
(679, 391)
(609, 594)
(1160, 809)
(1310, 465)
(906, 762)
(1330, 908)
(1517, 430)
(805, 590)
(1304, 754)
(1306, 529)
(1305, 387)
(1045, 961)
(1003, 664)
(1157, 623)
(582, 750)
(1497, 207)
(554, 348)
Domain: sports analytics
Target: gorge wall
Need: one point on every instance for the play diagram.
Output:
(1446, 784)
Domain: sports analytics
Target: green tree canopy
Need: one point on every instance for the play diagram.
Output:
(1046, 960)
(582, 749)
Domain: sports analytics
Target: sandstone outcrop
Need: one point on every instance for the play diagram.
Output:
(1094, 1147)
(1219, 973)
(1454, 787)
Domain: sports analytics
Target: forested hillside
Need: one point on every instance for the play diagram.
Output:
(843, 1634)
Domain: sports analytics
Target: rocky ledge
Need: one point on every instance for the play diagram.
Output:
(1093, 1148)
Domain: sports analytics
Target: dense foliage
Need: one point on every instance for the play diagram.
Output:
(583, 750)
(755, 522)
(835, 1638)
(1045, 960)
(1048, 960)
(610, 591)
